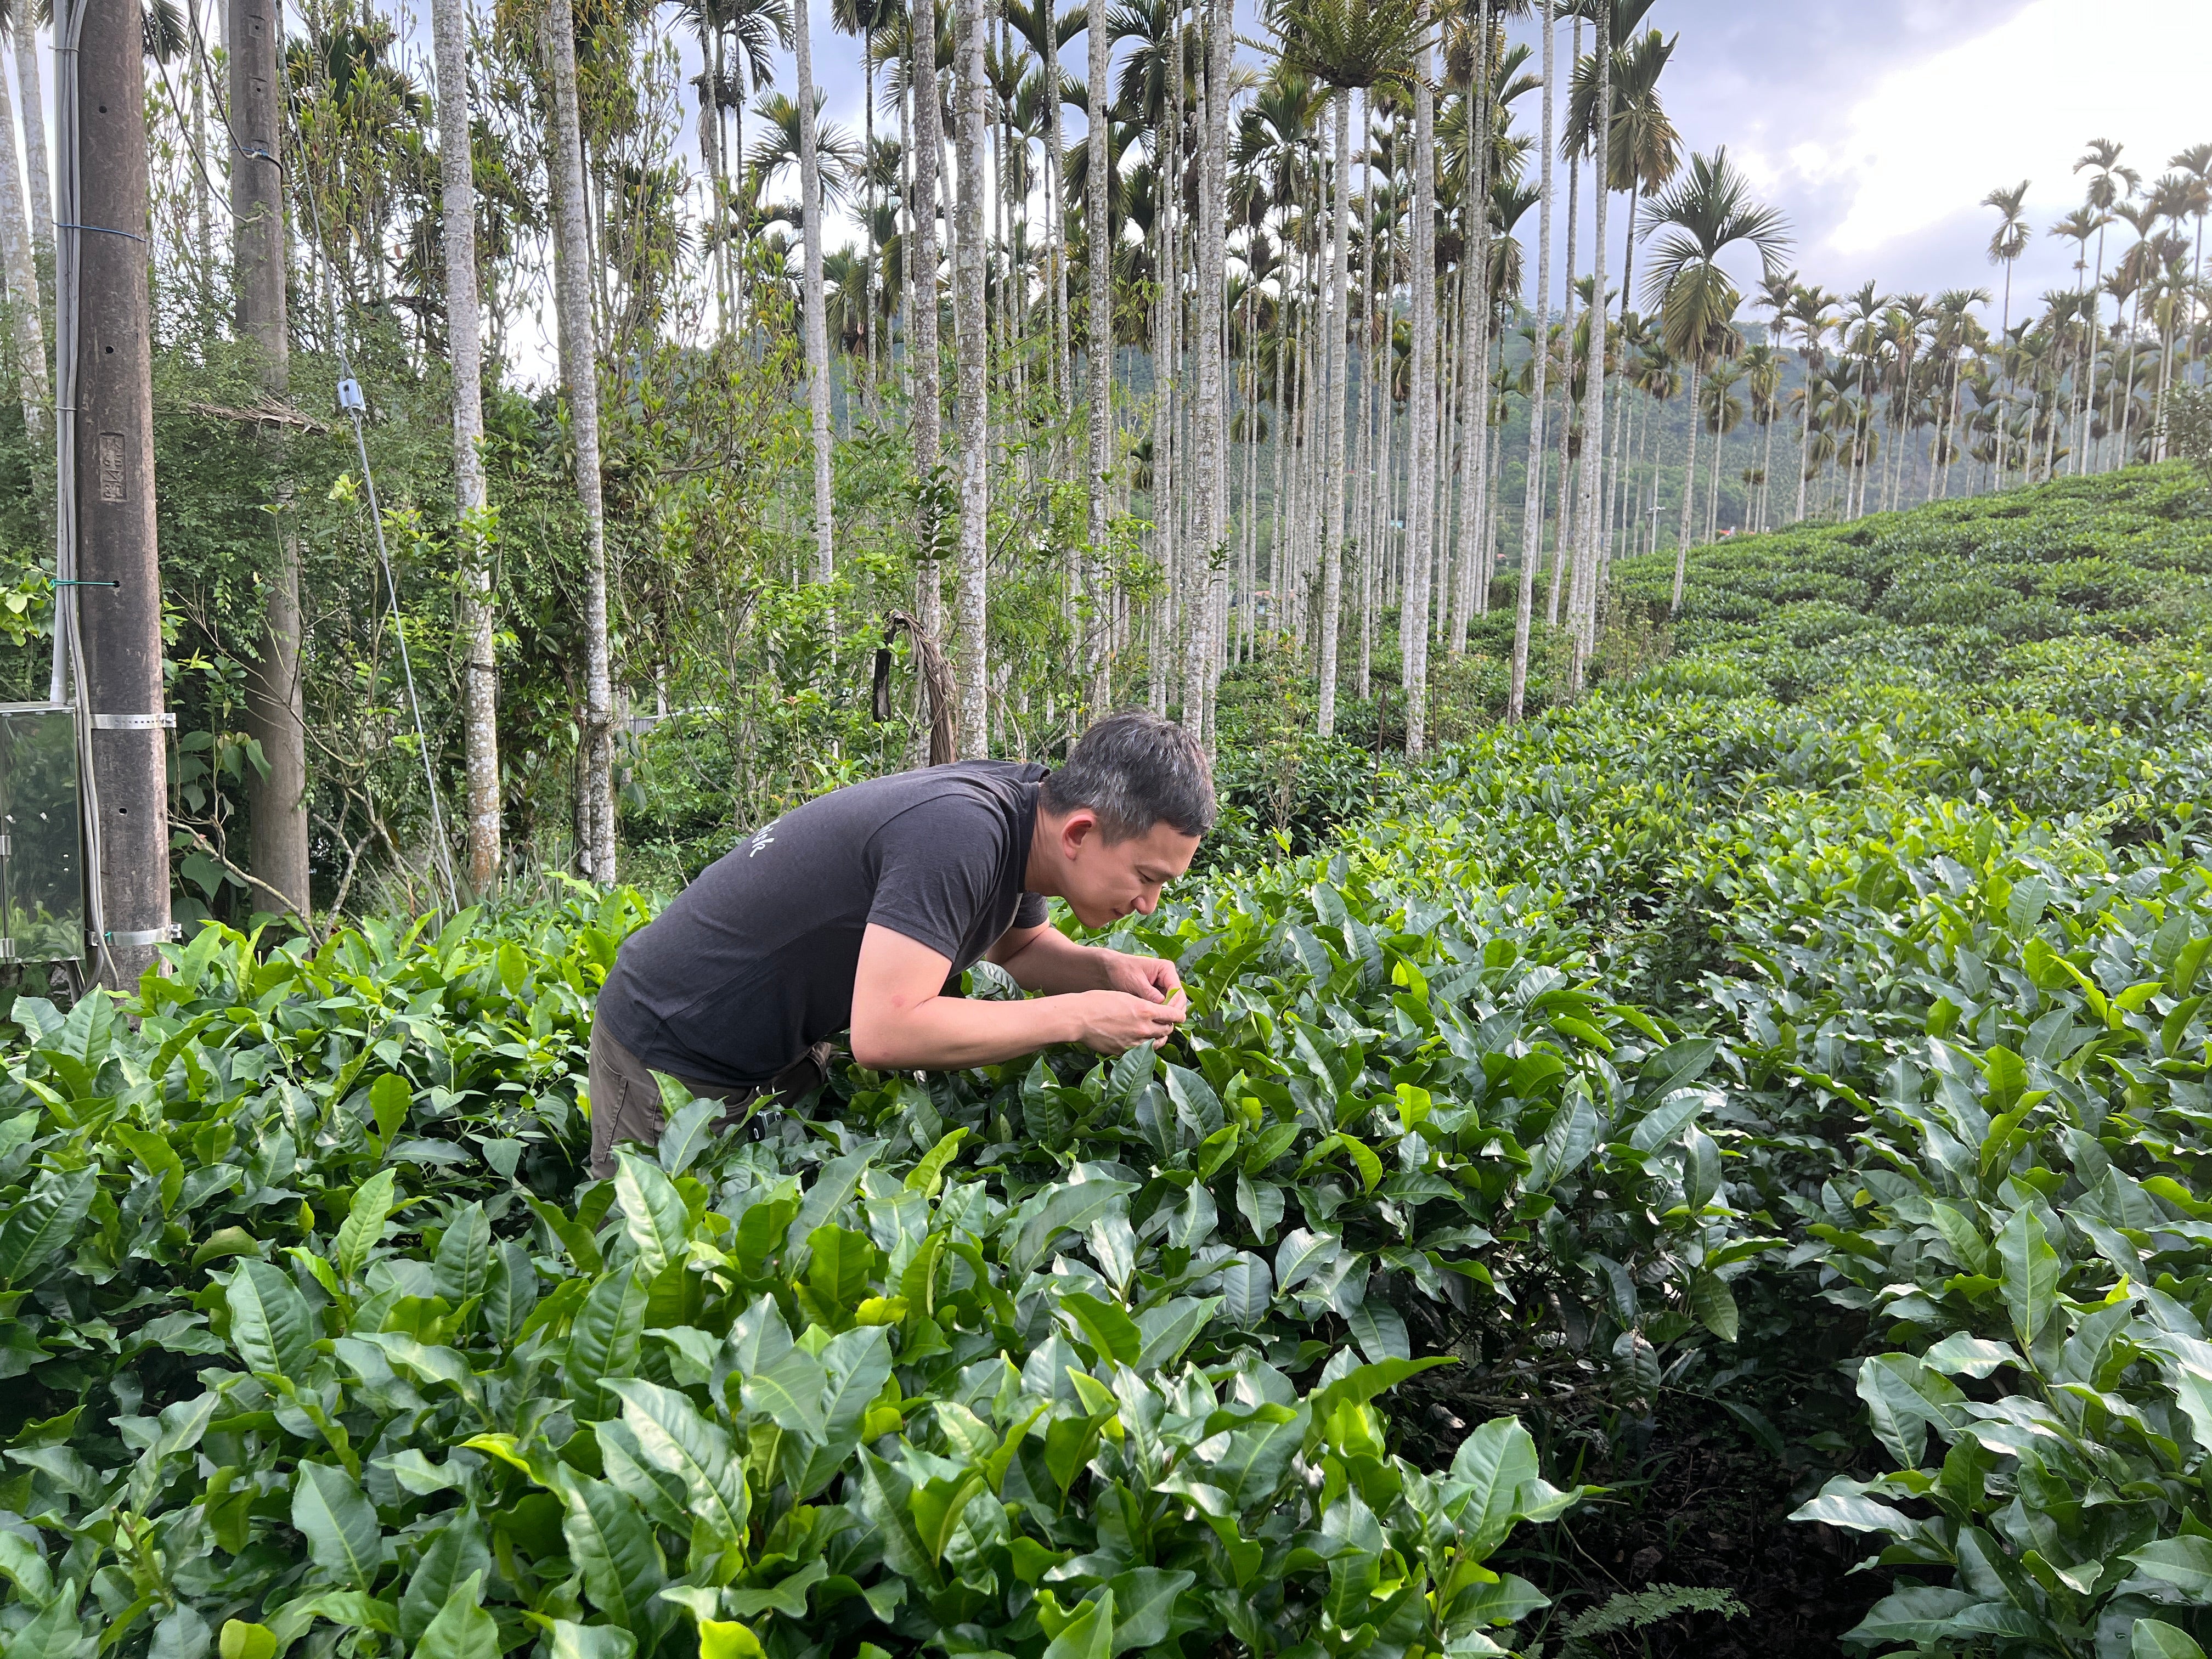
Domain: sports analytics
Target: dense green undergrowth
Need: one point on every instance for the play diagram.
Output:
(1811, 1031)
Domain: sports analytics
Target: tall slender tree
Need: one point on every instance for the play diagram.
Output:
(1350, 45)
(23, 29)
(1590, 544)
(1211, 506)
(1705, 215)
(971, 347)
(2109, 183)
(464, 352)
(1532, 487)
(815, 322)
(922, 313)
(19, 264)
(276, 717)
(2006, 243)
(579, 343)
(1098, 340)
(1421, 510)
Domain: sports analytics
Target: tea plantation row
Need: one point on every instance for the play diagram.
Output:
(1835, 991)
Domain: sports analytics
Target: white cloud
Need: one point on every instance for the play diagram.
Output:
(2017, 101)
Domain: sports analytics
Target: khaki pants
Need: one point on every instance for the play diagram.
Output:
(626, 1102)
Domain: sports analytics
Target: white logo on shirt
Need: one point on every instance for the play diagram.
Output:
(764, 836)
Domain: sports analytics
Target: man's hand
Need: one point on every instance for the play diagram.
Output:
(1154, 978)
(1116, 1021)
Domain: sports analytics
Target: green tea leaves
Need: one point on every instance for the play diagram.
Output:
(270, 1320)
(339, 1523)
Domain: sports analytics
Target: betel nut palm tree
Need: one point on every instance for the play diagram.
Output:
(737, 39)
(1350, 45)
(579, 353)
(1811, 316)
(1532, 502)
(1705, 213)
(813, 313)
(2006, 243)
(2079, 226)
(471, 499)
(864, 18)
(2111, 182)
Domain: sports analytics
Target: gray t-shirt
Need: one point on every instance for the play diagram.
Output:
(754, 961)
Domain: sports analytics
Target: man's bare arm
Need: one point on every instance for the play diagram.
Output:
(902, 1021)
(1046, 959)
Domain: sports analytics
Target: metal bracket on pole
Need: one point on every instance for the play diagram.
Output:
(135, 722)
(172, 934)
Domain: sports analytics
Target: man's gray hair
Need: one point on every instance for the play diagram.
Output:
(1135, 770)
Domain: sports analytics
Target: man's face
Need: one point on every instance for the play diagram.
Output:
(1108, 880)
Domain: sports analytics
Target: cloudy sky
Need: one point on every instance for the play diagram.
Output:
(1878, 126)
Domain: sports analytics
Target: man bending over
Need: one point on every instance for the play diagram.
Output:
(860, 910)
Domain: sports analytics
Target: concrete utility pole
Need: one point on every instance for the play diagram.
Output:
(115, 493)
(276, 800)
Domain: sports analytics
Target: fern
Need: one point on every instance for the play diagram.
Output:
(1648, 1606)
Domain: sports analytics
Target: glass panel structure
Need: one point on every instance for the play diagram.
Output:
(41, 862)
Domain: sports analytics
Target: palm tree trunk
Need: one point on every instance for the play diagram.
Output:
(2173, 309)
(2128, 397)
(1055, 164)
(1279, 498)
(1767, 470)
(1590, 542)
(1167, 423)
(1414, 627)
(1360, 513)
(26, 33)
(276, 795)
(202, 189)
(868, 173)
(971, 348)
(1210, 502)
(740, 228)
(710, 155)
(923, 314)
(1563, 531)
(1452, 390)
(1689, 492)
(1333, 409)
(1804, 440)
(1471, 592)
(579, 371)
(20, 266)
(464, 351)
(1492, 513)
(818, 335)
(1385, 463)
(1099, 321)
(2004, 361)
(1532, 490)
(901, 321)
(1713, 494)
(1563, 514)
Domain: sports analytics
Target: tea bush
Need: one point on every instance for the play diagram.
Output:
(1834, 990)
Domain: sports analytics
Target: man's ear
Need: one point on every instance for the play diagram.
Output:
(1078, 827)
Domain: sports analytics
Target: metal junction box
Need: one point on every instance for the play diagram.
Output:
(41, 862)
